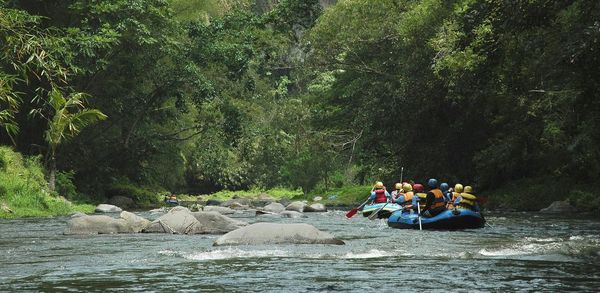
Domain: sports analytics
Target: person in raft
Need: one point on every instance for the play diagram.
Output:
(467, 200)
(379, 194)
(407, 199)
(397, 192)
(434, 202)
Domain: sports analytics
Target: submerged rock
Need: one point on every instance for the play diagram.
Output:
(292, 214)
(275, 233)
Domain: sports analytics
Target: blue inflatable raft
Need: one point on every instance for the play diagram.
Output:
(446, 220)
(383, 213)
(171, 202)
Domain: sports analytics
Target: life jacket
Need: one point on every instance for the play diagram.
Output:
(450, 204)
(380, 196)
(422, 198)
(439, 199)
(467, 200)
(408, 198)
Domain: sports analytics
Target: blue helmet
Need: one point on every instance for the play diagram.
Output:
(444, 187)
(433, 183)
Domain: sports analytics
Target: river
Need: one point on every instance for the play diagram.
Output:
(520, 252)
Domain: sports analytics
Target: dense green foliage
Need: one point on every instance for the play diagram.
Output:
(24, 191)
(203, 96)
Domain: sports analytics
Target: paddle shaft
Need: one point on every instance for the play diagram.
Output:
(419, 215)
(374, 214)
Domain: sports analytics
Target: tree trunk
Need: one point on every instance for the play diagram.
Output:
(52, 176)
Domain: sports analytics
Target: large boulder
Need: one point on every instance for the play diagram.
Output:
(220, 210)
(108, 208)
(101, 224)
(284, 201)
(275, 233)
(558, 207)
(216, 223)
(296, 206)
(180, 220)
(315, 207)
(176, 221)
(134, 221)
(274, 207)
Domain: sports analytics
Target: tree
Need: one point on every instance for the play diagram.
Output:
(30, 57)
(69, 117)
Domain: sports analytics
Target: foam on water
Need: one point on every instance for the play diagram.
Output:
(373, 253)
(572, 246)
(230, 253)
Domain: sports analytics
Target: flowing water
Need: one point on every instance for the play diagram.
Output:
(521, 252)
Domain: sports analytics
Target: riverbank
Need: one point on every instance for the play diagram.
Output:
(24, 191)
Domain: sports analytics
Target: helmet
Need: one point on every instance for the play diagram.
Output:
(418, 187)
(433, 183)
(468, 189)
(398, 186)
(406, 187)
(458, 187)
(378, 185)
(444, 186)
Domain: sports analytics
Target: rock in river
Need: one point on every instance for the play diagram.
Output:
(315, 207)
(276, 233)
(108, 208)
(181, 221)
(101, 224)
(558, 207)
(274, 207)
(220, 210)
(296, 206)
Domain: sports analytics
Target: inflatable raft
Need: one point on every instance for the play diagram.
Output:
(383, 213)
(446, 220)
(171, 201)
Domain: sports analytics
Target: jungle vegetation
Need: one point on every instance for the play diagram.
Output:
(198, 96)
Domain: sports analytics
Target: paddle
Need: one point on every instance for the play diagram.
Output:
(419, 214)
(353, 211)
(374, 214)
